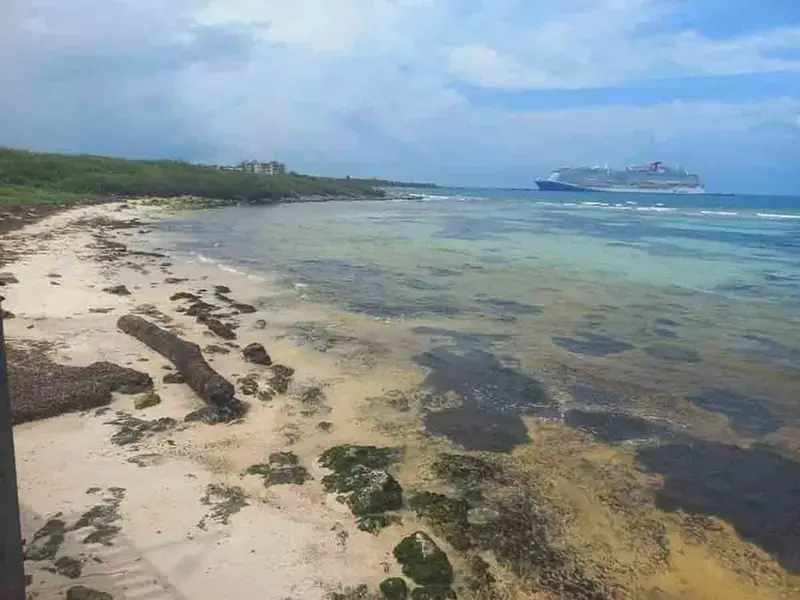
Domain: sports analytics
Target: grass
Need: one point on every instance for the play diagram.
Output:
(33, 177)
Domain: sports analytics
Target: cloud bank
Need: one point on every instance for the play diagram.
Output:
(441, 90)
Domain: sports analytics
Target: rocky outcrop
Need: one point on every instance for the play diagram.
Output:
(256, 353)
(423, 561)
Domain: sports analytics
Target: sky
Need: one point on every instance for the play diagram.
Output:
(467, 92)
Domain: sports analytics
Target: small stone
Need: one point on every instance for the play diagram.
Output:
(173, 280)
(260, 324)
(173, 378)
(256, 354)
(149, 399)
(7, 314)
(184, 296)
(394, 588)
(68, 567)
(215, 349)
(325, 426)
(7, 279)
(118, 290)
(222, 289)
(221, 329)
(248, 386)
(80, 592)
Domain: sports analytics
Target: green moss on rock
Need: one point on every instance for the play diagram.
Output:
(346, 456)
(81, 592)
(448, 516)
(282, 468)
(433, 592)
(423, 561)
(374, 523)
(394, 588)
(150, 398)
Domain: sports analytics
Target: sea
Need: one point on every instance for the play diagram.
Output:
(666, 322)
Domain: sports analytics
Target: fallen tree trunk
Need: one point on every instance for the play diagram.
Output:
(212, 387)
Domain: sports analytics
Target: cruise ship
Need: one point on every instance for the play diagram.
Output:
(654, 177)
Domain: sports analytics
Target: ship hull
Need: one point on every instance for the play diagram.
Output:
(547, 185)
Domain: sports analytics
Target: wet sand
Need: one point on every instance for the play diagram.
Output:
(552, 512)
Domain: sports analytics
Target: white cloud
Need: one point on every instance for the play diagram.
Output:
(368, 86)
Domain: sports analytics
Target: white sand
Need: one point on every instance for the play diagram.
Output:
(290, 542)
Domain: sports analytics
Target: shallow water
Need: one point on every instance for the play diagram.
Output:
(675, 326)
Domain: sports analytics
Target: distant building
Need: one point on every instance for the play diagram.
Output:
(253, 166)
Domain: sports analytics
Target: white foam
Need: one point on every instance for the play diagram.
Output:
(720, 213)
(777, 216)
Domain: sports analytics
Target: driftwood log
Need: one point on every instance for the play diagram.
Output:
(213, 388)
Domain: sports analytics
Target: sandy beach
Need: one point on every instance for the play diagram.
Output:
(139, 503)
(287, 541)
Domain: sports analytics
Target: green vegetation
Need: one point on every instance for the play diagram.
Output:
(27, 177)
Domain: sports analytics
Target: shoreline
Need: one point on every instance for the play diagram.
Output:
(310, 541)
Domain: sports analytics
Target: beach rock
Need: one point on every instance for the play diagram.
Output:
(184, 296)
(423, 561)
(325, 426)
(282, 468)
(243, 307)
(7, 314)
(248, 386)
(68, 567)
(132, 430)
(260, 324)
(256, 354)
(219, 328)
(215, 349)
(80, 592)
(149, 399)
(7, 279)
(281, 378)
(174, 280)
(222, 289)
(46, 541)
(199, 308)
(118, 290)
(394, 588)
(173, 378)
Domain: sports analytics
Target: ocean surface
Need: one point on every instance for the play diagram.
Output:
(671, 322)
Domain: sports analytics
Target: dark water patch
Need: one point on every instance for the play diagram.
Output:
(746, 414)
(614, 427)
(503, 307)
(667, 322)
(672, 353)
(478, 430)
(464, 340)
(665, 333)
(764, 350)
(492, 398)
(757, 491)
(442, 272)
(737, 287)
(592, 344)
(590, 395)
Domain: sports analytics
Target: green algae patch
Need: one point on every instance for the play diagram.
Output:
(360, 479)
(448, 516)
(394, 588)
(283, 468)
(423, 561)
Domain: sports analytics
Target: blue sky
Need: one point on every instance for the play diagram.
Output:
(473, 92)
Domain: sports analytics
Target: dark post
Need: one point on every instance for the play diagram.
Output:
(12, 572)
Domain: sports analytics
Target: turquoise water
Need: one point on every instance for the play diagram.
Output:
(671, 323)
(683, 297)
